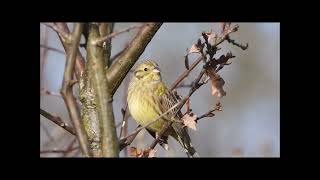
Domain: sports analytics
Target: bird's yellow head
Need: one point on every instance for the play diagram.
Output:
(148, 71)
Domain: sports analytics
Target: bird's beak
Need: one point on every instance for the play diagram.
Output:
(156, 70)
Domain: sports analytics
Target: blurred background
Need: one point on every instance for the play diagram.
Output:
(248, 126)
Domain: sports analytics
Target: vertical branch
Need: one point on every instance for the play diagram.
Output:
(43, 55)
(96, 73)
(80, 63)
(105, 29)
(66, 90)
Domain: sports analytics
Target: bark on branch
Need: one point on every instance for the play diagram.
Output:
(80, 63)
(67, 93)
(96, 70)
(58, 121)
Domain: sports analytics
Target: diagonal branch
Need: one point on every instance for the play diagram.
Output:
(186, 73)
(59, 151)
(58, 121)
(243, 47)
(195, 85)
(118, 70)
(66, 35)
(137, 130)
(80, 63)
(67, 93)
(109, 36)
(52, 49)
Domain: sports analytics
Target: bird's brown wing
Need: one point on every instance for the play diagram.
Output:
(179, 132)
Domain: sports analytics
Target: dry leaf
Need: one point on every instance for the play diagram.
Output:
(225, 27)
(211, 35)
(194, 49)
(189, 120)
(216, 84)
(133, 151)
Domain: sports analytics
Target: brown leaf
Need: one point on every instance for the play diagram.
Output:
(133, 151)
(216, 83)
(226, 28)
(189, 120)
(194, 49)
(211, 35)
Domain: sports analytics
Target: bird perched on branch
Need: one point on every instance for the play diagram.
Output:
(148, 98)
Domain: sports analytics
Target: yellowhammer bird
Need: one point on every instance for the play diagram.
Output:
(149, 97)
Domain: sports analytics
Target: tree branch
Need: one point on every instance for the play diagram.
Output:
(52, 49)
(67, 94)
(109, 36)
(96, 70)
(59, 151)
(137, 130)
(243, 47)
(70, 147)
(118, 70)
(105, 29)
(58, 121)
(113, 58)
(186, 73)
(80, 63)
(47, 132)
(125, 116)
(50, 93)
(64, 34)
(195, 85)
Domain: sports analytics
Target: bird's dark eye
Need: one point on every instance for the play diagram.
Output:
(145, 69)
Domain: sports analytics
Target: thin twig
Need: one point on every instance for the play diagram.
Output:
(70, 146)
(207, 114)
(153, 121)
(56, 28)
(164, 129)
(44, 54)
(58, 121)
(52, 49)
(47, 92)
(194, 64)
(243, 47)
(124, 118)
(112, 35)
(186, 73)
(46, 131)
(59, 151)
(113, 58)
(210, 112)
(67, 94)
(80, 62)
(195, 85)
(124, 142)
(184, 86)
(125, 112)
(50, 93)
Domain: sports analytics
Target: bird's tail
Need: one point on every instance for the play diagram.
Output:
(182, 136)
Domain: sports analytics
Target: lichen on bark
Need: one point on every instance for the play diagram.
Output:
(89, 114)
